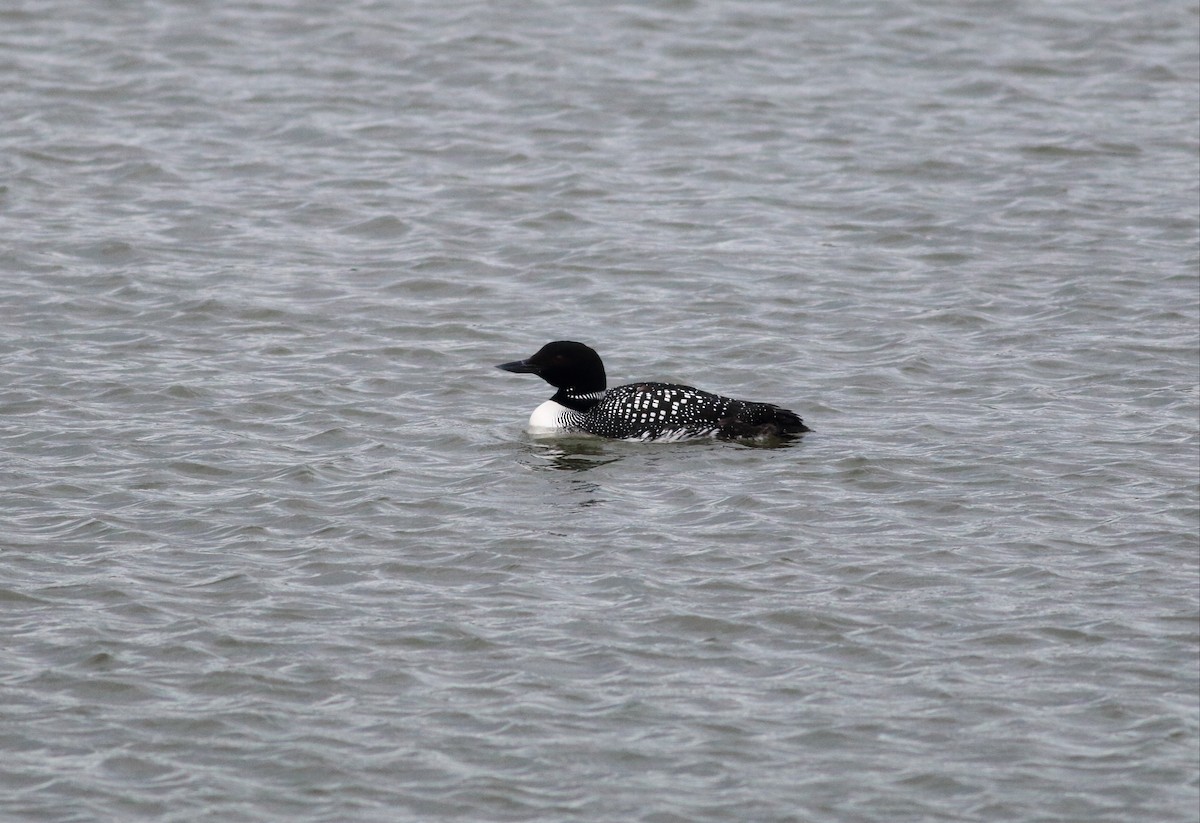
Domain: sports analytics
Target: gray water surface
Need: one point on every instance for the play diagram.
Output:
(274, 544)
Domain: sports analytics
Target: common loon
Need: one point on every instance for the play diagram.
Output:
(640, 411)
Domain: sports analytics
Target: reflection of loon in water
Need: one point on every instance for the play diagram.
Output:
(640, 411)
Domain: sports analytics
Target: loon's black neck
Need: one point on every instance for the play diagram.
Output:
(577, 400)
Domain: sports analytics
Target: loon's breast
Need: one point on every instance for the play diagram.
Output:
(551, 417)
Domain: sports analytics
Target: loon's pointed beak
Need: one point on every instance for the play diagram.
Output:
(520, 367)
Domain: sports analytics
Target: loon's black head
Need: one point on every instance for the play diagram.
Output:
(566, 365)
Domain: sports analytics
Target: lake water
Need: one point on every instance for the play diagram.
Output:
(274, 544)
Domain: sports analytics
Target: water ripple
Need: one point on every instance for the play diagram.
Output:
(276, 546)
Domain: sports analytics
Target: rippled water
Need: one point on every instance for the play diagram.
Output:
(274, 544)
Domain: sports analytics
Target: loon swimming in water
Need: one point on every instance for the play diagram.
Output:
(640, 411)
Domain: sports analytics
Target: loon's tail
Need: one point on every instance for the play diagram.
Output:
(759, 420)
